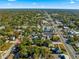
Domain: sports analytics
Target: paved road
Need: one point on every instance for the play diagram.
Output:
(68, 49)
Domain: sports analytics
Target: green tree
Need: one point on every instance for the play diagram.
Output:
(55, 38)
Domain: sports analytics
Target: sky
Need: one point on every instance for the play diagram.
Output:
(52, 4)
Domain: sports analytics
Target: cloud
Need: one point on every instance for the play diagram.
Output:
(77, 0)
(72, 1)
(8, 4)
(34, 3)
(11, 0)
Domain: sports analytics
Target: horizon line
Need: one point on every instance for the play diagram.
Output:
(40, 8)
